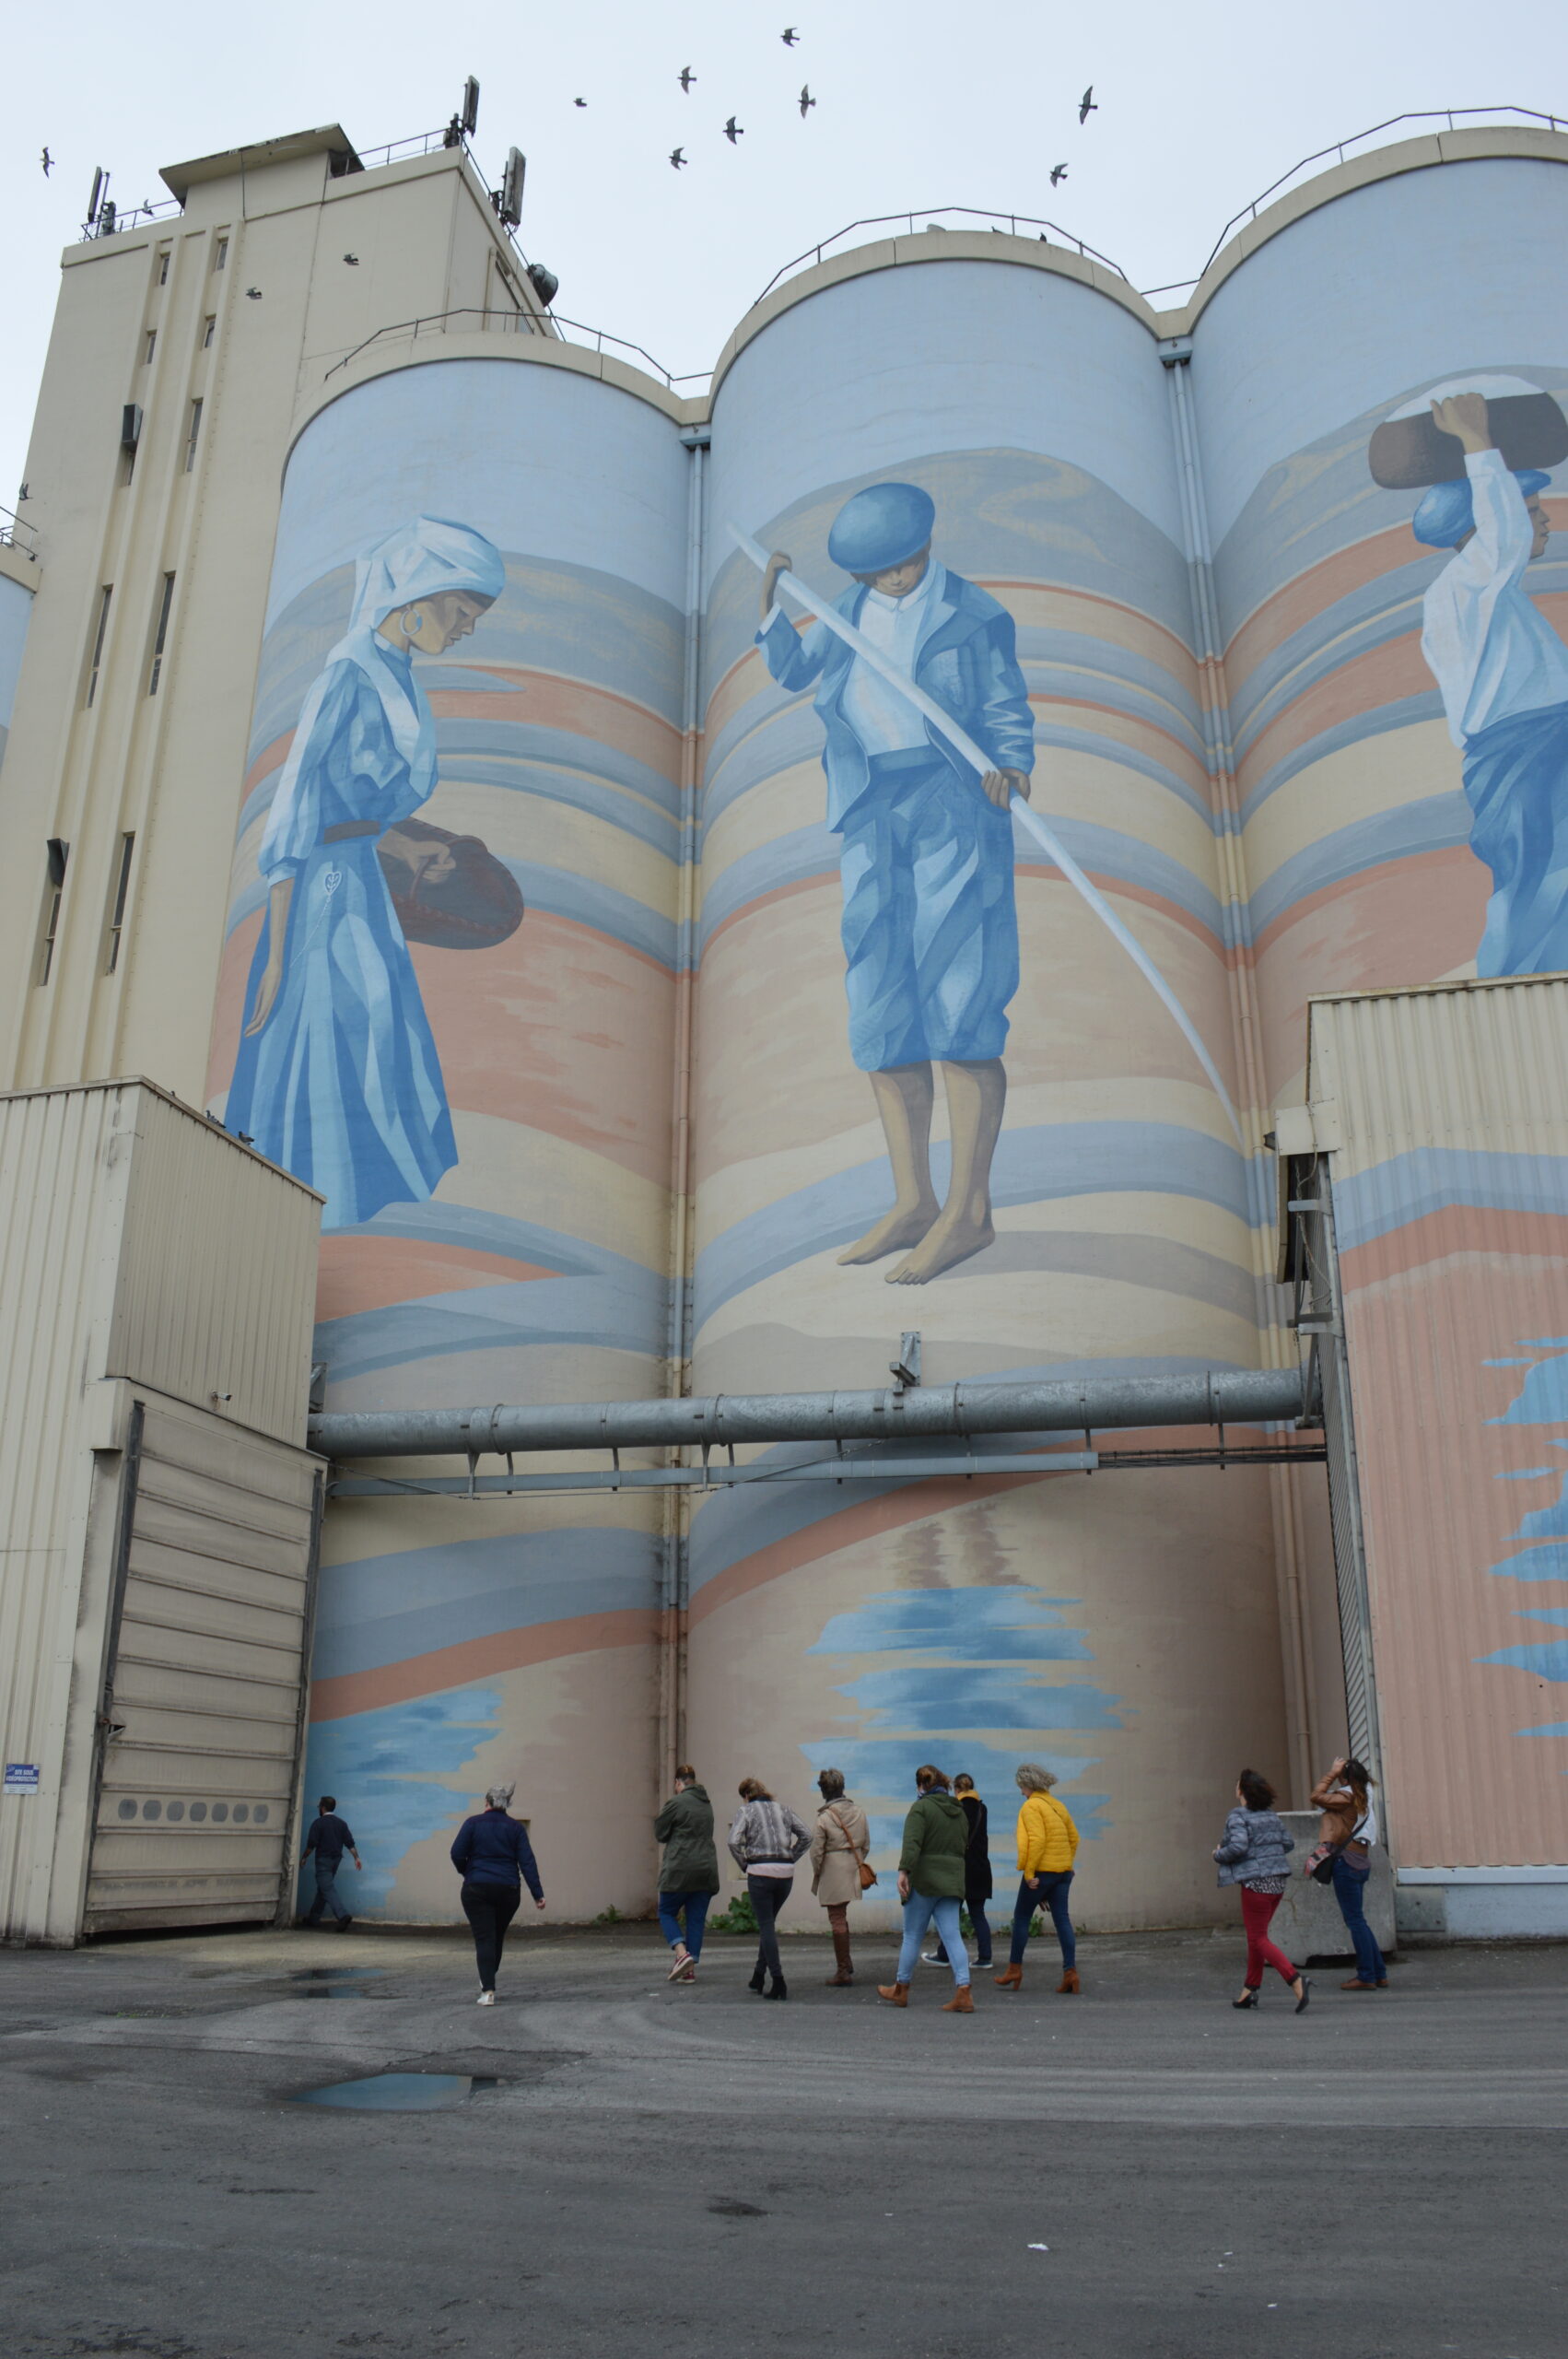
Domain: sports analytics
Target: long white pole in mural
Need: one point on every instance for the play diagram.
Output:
(1043, 834)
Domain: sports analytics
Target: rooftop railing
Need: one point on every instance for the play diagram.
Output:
(471, 318)
(16, 535)
(1341, 152)
(935, 216)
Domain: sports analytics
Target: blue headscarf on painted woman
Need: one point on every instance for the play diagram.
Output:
(1448, 510)
(337, 1077)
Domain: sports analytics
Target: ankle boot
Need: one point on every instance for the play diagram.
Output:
(1069, 1982)
(1011, 1979)
(843, 1963)
(895, 1993)
(777, 1990)
(758, 1977)
(961, 2004)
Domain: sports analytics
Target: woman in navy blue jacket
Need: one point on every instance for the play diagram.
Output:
(495, 1859)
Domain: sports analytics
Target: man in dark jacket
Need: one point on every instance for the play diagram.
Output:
(329, 1838)
(689, 1875)
(930, 1883)
(977, 1884)
(494, 1857)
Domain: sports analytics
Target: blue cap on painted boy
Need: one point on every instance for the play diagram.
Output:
(1447, 513)
(881, 526)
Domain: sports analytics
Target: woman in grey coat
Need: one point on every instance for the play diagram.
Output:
(765, 1840)
(1253, 1854)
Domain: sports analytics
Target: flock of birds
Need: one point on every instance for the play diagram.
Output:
(734, 131)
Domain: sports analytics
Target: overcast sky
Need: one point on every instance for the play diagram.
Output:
(920, 104)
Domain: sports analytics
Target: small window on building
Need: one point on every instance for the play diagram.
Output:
(193, 430)
(220, 254)
(117, 907)
(160, 638)
(210, 330)
(150, 346)
(94, 662)
(53, 894)
(163, 268)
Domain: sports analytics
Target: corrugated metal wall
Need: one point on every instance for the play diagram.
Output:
(64, 1161)
(205, 1679)
(193, 1317)
(137, 1241)
(1446, 1111)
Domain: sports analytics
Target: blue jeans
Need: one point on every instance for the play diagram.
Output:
(326, 1891)
(981, 1923)
(696, 1905)
(918, 1911)
(1350, 1887)
(1050, 1894)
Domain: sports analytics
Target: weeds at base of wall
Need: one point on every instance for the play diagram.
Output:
(738, 1917)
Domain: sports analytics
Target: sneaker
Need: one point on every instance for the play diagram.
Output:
(677, 1971)
(932, 1957)
(486, 1999)
(690, 1973)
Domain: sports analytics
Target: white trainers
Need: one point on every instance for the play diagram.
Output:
(486, 1999)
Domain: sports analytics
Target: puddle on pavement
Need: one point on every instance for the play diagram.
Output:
(336, 1973)
(398, 2092)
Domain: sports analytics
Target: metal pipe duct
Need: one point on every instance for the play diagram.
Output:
(1249, 1396)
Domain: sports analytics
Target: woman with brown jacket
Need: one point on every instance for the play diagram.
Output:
(841, 1840)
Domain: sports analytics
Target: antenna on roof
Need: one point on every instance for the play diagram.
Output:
(100, 222)
(507, 199)
(98, 178)
(470, 117)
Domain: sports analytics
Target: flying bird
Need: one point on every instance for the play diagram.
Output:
(790, 36)
(806, 101)
(580, 102)
(678, 157)
(687, 77)
(1059, 173)
(1087, 106)
(733, 131)
(48, 163)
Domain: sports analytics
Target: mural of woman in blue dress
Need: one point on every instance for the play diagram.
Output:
(337, 1077)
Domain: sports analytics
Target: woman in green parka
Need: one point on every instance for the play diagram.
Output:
(689, 1877)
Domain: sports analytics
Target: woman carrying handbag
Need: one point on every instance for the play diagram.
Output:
(839, 1869)
(1347, 1834)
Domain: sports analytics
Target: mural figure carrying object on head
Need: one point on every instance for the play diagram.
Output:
(337, 1077)
(929, 927)
(1502, 668)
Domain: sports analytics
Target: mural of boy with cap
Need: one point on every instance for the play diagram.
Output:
(929, 927)
(1502, 667)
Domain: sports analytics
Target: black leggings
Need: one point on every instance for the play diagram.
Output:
(489, 1908)
(769, 1894)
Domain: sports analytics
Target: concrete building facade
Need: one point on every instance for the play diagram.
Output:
(610, 1043)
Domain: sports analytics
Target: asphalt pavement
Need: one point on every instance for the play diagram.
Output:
(621, 2165)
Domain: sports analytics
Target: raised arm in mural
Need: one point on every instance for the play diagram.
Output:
(337, 1077)
(1500, 666)
(929, 928)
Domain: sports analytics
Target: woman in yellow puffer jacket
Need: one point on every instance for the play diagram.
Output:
(1048, 1845)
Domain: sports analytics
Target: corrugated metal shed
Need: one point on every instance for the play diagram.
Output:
(140, 1248)
(1445, 1113)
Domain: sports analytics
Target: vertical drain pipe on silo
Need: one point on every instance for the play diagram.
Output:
(1176, 355)
(674, 1548)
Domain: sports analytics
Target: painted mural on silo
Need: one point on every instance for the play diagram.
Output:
(447, 1003)
(1395, 611)
(933, 1092)
(15, 612)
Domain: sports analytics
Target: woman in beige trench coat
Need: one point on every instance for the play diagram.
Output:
(839, 1843)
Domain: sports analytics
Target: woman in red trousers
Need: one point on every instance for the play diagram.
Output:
(1254, 1853)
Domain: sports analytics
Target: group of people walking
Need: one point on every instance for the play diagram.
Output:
(943, 1867)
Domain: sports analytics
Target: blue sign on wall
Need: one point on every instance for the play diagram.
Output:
(21, 1778)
